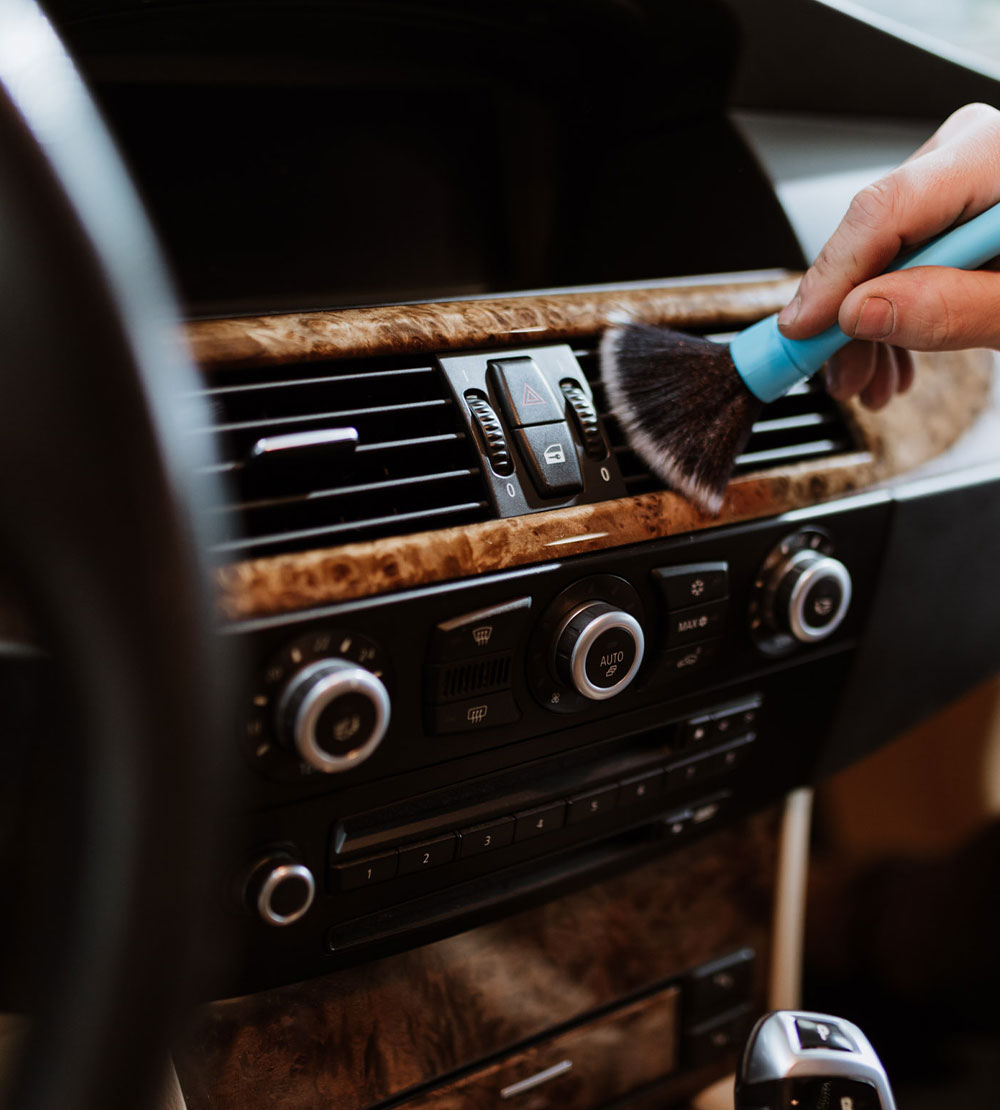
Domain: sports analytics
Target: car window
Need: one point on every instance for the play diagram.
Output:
(972, 25)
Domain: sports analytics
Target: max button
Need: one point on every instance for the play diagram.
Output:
(699, 622)
(475, 714)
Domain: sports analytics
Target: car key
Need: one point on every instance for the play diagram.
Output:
(802, 1061)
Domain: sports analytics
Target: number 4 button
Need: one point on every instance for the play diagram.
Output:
(537, 822)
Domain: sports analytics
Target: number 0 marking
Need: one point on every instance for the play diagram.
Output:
(511, 492)
(605, 474)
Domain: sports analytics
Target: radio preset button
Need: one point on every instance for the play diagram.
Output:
(537, 822)
(484, 838)
(640, 788)
(432, 853)
(692, 584)
(367, 872)
(595, 803)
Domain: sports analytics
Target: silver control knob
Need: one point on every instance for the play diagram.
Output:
(279, 889)
(598, 650)
(812, 593)
(334, 714)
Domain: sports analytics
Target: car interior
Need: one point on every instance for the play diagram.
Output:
(378, 730)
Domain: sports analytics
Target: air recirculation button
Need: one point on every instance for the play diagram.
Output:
(491, 433)
(585, 417)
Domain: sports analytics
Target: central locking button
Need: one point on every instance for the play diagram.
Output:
(550, 453)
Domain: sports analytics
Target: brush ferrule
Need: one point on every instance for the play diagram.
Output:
(770, 364)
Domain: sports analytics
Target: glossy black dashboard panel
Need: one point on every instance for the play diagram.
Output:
(480, 797)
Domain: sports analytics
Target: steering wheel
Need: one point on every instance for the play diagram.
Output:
(101, 535)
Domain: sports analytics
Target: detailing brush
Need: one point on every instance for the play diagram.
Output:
(688, 405)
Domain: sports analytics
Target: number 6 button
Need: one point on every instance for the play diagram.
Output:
(432, 853)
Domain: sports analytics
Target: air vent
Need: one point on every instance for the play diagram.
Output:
(804, 424)
(329, 453)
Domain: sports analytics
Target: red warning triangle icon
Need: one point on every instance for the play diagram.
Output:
(531, 396)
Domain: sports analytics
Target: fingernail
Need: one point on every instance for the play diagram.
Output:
(876, 320)
(786, 317)
(832, 378)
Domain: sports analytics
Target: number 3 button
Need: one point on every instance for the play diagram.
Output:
(432, 853)
(484, 838)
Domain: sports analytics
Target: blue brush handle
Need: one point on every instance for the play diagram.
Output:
(770, 364)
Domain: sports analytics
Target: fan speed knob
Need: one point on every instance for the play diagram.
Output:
(812, 593)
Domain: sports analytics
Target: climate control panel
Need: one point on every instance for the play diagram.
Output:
(440, 755)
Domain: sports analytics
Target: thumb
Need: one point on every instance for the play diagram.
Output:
(928, 308)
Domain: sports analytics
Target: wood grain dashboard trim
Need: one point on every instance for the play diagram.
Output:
(387, 1028)
(950, 391)
(730, 299)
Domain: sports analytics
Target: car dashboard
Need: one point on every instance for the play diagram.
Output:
(523, 738)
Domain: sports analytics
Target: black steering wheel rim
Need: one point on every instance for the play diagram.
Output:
(102, 534)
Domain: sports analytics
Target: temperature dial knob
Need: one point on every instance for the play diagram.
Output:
(598, 650)
(334, 713)
(811, 595)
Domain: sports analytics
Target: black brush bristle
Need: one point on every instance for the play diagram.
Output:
(682, 404)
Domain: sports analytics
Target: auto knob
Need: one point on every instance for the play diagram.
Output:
(810, 595)
(334, 713)
(279, 889)
(598, 650)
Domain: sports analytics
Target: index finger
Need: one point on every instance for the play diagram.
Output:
(924, 196)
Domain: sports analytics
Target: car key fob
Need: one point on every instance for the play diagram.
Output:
(795, 1060)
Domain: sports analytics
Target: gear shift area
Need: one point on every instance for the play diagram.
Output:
(796, 1060)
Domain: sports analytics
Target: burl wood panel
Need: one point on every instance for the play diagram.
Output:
(595, 1063)
(351, 1039)
(950, 391)
(450, 326)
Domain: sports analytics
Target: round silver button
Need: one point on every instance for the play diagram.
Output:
(281, 890)
(599, 649)
(813, 596)
(334, 713)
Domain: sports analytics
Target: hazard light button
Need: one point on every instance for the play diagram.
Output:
(524, 393)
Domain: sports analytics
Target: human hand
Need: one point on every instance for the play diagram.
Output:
(954, 176)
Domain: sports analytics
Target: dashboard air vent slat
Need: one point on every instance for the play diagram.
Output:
(805, 424)
(412, 467)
